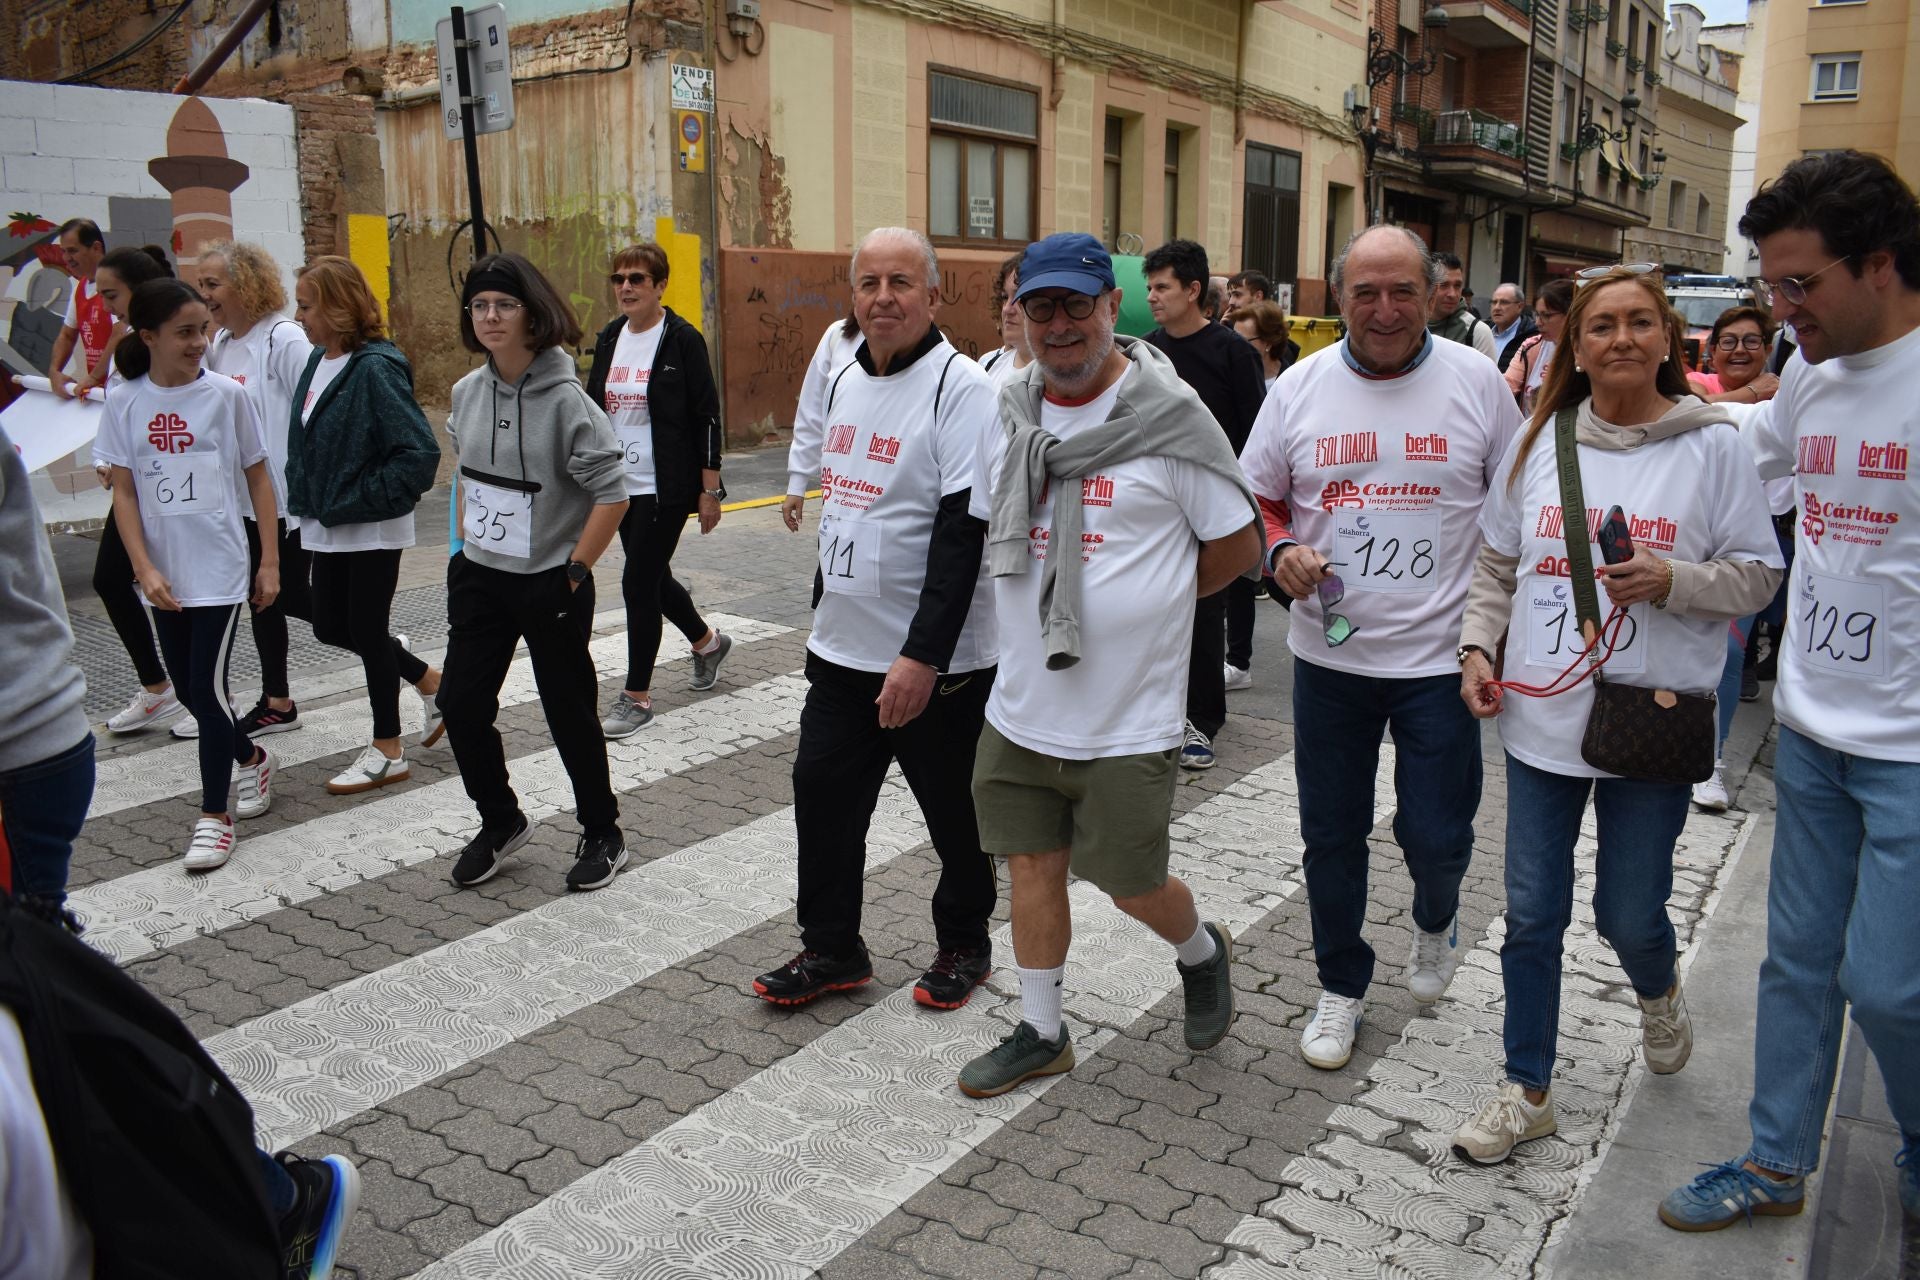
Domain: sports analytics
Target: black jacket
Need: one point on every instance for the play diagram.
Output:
(682, 400)
(1526, 330)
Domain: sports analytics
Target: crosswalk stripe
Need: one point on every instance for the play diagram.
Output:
(1353, 1208)
(311, 1065)
(137, 914)
(130, 780)
(781, 1173)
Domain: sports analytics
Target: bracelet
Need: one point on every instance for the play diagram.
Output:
(1666, 595)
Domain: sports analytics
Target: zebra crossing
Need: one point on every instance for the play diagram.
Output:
(536, 1084)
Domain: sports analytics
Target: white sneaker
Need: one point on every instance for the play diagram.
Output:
(186, 728)
(1435, 957)
(1506, 1121)
(433, 723)
(369, 770)
(1711, 795)
(255, 792)
(1327, 1042)
(1238, 678)
(212, 845)
(1666, 1032)
(146, 711)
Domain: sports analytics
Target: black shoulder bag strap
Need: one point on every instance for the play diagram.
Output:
(1573, 522)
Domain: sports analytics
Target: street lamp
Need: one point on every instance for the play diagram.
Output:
(1592, 135)
(1384, 63)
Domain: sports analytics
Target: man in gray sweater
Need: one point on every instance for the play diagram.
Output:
(46, 750)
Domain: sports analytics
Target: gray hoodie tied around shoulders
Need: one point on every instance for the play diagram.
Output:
(540, 435)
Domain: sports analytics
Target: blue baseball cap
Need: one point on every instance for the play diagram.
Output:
(1066, 260)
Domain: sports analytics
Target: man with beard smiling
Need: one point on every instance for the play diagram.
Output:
(1075, 769)
(1372, 459)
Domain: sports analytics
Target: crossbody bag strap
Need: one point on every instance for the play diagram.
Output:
(1573, 521)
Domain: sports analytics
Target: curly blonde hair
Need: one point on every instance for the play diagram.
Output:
(255, 276)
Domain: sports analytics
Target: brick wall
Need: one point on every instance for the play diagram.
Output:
(49, 39)
(335, 132)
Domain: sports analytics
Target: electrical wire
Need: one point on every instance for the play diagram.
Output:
(102, 67)
(626, 31)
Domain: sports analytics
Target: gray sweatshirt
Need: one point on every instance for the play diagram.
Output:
(542, 437)
(41, 690)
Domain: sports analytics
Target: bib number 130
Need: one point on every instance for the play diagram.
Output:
(849, 555)
(1840, 623)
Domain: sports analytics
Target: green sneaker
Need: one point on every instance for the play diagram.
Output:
(1210, 993)
(1015, 1060)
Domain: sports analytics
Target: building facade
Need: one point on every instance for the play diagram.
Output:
(1746, 42)
(1841, 74)
(1699, 121)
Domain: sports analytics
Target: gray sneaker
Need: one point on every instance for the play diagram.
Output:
(706, 666)
(1209, 993)
(627, 717)
(1015, 1060)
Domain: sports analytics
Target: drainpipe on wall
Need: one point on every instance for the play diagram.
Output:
(1058, 87)
(194, 80)
(1240, 74)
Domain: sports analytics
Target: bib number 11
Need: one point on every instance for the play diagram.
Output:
(849, 556)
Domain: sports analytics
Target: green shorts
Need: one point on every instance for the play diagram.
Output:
(1112, 813)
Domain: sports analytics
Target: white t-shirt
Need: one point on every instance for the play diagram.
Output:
(42, 1236)
(888, 461)
(1003, 370)
(834, 352)
(1695, 497)
(626, 405)
(268, 362)
(393, 534)
(1846, 429)
(1385, 478)
(1144, 521)
(188, 449)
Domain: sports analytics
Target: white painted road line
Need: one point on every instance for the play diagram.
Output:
(129, 780)
(314, 1064)
(137, 914)
(1354, 1208)
(778, 1175)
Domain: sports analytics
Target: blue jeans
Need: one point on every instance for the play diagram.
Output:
(1841, 913)
(41, 808)
(1339, 721)
(1633, 878)
(1729, 692)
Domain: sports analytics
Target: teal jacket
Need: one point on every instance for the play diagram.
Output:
(365, 453)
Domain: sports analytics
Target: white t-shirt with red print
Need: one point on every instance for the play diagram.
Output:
(188, 449)
(1693, 497)
(626, 393)
(887, 460)
(1143, 523)
(1847, 430)
(89, 315)
(1385, 477)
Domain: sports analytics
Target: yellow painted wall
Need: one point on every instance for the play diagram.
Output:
(1886, 117)
(683, 271)
(367, 246)
(802, 129)
(880, 79)
(1077, 142)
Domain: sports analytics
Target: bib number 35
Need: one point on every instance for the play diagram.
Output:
(498, 520)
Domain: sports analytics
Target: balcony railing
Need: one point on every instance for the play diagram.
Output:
(1474, 128)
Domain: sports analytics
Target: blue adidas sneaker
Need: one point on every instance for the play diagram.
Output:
(1726, 1193)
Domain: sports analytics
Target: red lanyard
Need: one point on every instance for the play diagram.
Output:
(1609, 632)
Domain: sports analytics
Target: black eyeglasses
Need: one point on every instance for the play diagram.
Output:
(1735, 341)
(631, 277)
(1040, 308)
(1792, 288)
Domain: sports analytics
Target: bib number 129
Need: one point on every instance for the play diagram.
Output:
(1840, 625)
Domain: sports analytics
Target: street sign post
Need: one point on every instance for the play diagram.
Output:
(476, 91)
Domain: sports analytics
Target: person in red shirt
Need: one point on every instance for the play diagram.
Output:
(88, 321)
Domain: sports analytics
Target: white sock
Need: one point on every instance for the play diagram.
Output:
(1040, 999)
(704, 649)
(1198, 949)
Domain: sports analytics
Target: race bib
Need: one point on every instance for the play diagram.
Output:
(1553, 630)
(498, 520)
(1842, 625)
(636, 451)
(849, 555)
(1386, 551)
(182, 484)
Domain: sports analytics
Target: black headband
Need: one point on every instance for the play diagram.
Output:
(492, 280)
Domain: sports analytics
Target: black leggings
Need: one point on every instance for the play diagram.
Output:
(295, 600)
(198, 643)
(649, 533)
(352, 598)
(113, 582)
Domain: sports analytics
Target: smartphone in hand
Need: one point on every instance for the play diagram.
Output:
(1616, 547)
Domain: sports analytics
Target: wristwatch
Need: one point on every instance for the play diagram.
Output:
(578, 572)
(1461, 653)
(718, 495)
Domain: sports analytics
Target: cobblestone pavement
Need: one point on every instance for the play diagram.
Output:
(538, 1084)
